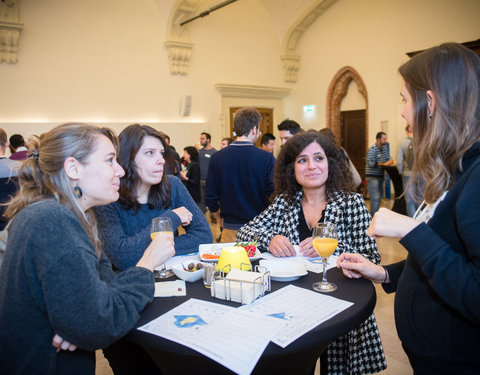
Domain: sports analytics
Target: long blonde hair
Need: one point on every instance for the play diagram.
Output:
(42, 175)
(452, 72)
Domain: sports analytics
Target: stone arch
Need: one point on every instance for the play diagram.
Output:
(336, 93)
(290, 58)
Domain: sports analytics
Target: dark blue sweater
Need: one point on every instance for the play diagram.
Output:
(52, 282)
(126, 233)
(240, 178)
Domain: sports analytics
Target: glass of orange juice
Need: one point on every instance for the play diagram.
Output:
(161, 224)
(324, 241)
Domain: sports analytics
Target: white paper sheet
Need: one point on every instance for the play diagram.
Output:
(170, 288)
(313, 264)
(300, 308)
(218, 332)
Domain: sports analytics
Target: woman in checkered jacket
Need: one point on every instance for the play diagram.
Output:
(312, 185)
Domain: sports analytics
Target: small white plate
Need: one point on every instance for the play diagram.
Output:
(216, 249)
(284, 270)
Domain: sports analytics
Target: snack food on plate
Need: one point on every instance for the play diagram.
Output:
(250, 247)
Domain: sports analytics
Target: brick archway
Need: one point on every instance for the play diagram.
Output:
(337, 91)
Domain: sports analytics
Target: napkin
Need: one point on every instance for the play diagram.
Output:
(240, 286)
(170, 288)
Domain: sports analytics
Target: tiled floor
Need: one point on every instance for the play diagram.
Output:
(397, 362)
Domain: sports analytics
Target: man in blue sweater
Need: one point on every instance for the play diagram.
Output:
(240, 176)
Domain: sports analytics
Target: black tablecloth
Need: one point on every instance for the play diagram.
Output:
(297, 358)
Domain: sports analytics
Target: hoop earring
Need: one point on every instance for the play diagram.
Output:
(78, 192)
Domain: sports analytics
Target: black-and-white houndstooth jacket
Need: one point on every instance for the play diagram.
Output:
(360, 351)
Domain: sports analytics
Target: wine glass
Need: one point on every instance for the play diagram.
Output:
(325, 241)
(161, 224)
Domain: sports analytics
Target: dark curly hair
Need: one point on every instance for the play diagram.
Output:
(339, 175)
(131, 140)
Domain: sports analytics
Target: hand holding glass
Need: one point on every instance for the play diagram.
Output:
(162, 224)
(325, 241)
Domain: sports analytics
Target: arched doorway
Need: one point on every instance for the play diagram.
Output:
(350, 131)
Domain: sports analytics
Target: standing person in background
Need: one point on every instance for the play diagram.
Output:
(204, 156)
(287, 129)
(8, 167)
(8, 181)
(59, 297)
(191, 175)
(225, 142)
(404, 166)
(170, 147)
(437, 287)
(356, 178)
(377, 156)
(17, 147)
(240, 176)
(267, 142)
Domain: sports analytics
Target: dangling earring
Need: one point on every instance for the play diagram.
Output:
(430, 116)
(78, 192)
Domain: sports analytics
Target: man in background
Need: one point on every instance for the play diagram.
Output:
(17, 147)
(287, 129)
(404, 166)
(204, 156)
(225, 142)
(378, 156)
(267, 142)
(240, 176)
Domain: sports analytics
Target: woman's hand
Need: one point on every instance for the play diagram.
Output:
(184, 215)
(158, 252)
(62, 344)
(183, 175)
(355, 266)
(386, 223)
(280, 246)
(307, 249)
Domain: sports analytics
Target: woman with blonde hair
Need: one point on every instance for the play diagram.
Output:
(438, 286)
(59, 298)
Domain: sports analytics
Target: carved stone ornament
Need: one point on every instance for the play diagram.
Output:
(9, 31)
(178, 40)
(291, 66)
(179, 55)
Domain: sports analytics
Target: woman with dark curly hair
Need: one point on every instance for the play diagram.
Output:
(191, 175)
(312, 185)
(147, 192)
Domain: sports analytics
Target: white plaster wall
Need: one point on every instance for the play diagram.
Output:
(372, 36)
(105, 62)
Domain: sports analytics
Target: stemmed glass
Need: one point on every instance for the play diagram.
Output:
(161, 224)
(325, 241)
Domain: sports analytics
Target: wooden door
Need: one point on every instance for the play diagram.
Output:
(353, 128)
(266, 126)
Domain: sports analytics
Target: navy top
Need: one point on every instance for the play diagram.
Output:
(240, 178)
(126, 233)
(438, 286)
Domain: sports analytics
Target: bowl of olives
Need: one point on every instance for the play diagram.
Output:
(191, 271)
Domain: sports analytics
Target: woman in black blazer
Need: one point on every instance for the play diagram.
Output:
(191, 174)
(437, 305)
